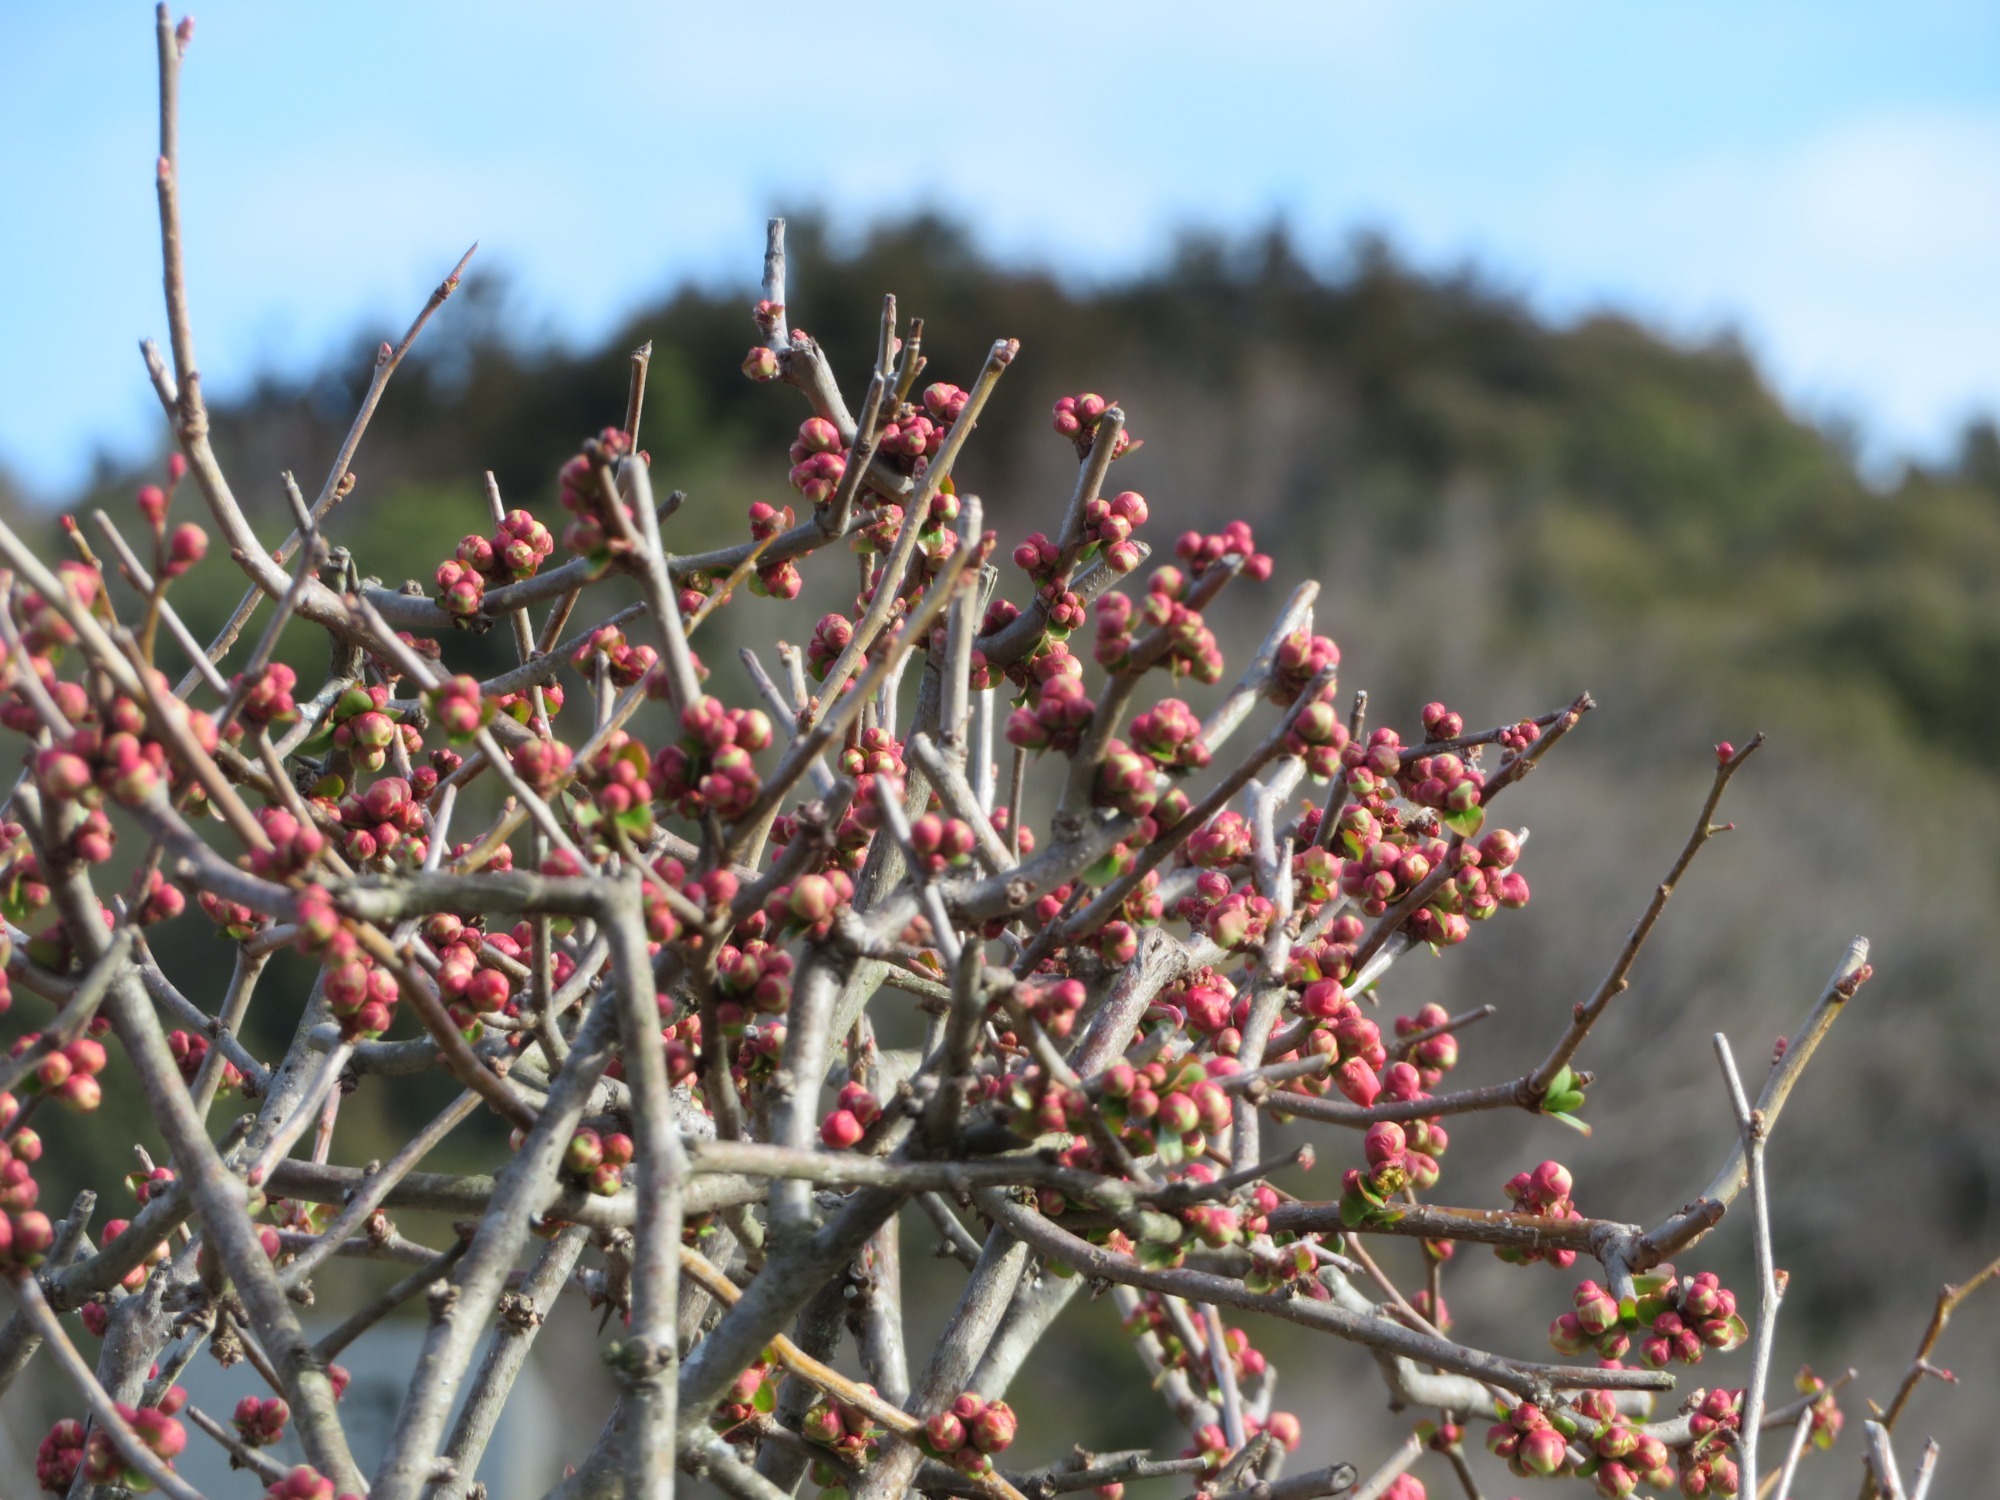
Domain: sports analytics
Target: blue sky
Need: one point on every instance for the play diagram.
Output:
(1824, 176)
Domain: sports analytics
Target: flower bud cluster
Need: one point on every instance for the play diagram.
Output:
(1386, 857)
(115, 757)
(1190, 646)
(1063, 608)
(873, 752)
(1398, 1156)
(850, 1118)
(753, 1391)
(267, 698)
(819, 460)
(617, 779)
(543, 764)
(912, 431)
(1057, 711)
(1544, 1191)
(598, 1161)
(361, 996)
(472, 985)
(625, 662)
(780, 579)
(1211, 1444)
(596, 531)
(97, 1457)
(1055, 1005)
(459, 707)
(877, 533)
(261, 1422)
(59, 1456)
(829, 638)
(381, 827)
(1534, 1442)
(364, 726)
(1168, 1108)
(1443, 781)
(1206, 1004)
(1239, 921)
(808, 904)
(1200, 553)
(518, 547)
(1434, 1056)
(969, 1432)
(25, 1231)
(1440, 723)
(1318, 736)
(1125, 780)
(68, 1072)
(1300, 657)
(190, 1051)
(1616, 1455)
(1671, 1321)
(845, 1428)
(1076, 418)
(304, 1483)
(942, 843)
(710, 768)
(1169, 733)
(1708, 1465)
(237, 921)
(1109, 527)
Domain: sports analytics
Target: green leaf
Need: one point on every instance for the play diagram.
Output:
(1738, 1332)
(1564, 1080)
(1466, 824)
(1567, 1102)
(1103, 872)
(766, 1399)
(1572, 1122)
(1355, 1211)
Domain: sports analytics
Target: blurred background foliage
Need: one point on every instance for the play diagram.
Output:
(1502, 512)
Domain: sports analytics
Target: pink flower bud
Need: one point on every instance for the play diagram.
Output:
(993, 1429)
(1384, 1143)
(1357, 1081)
(945, 1433)
(187, 546)
(840, 1129)
(1543, 1450)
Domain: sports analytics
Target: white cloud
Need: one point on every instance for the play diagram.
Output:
(1859, 262)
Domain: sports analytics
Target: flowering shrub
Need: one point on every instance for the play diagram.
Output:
(662, 961)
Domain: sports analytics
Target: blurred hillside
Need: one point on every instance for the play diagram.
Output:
(1502, 513)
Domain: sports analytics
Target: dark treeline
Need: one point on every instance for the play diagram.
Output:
(1618, 468)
